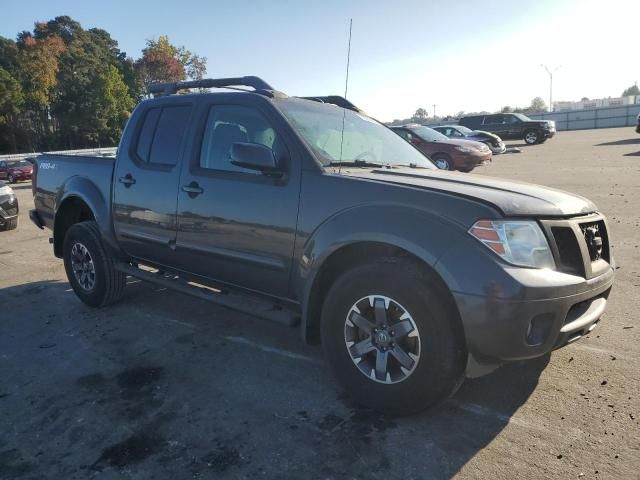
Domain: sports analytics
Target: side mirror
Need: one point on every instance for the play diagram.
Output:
(254, 156)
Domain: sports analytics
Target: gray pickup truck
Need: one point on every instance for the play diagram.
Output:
(308, 212)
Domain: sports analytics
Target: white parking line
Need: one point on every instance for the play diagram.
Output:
(480, 410)
(268, 349)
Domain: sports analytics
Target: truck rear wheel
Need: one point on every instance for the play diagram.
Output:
(90, 267)
(391, 338)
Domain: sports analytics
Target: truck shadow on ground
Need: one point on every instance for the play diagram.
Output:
(626, 141)
(162, 385)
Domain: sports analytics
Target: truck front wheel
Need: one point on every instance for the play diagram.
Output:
(90, 267)
(391, 338)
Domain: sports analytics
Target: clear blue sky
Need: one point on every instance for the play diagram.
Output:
(461, 55)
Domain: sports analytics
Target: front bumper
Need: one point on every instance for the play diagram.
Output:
(469, 161)
(498, 149)
(21, 176)
(8, 208)
(499, 330)
(548, 133)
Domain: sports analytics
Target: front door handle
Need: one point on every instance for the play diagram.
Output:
(127, 180)
(193, 189)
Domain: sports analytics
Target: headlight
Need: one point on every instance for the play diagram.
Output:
(519, 242)
(464, 149)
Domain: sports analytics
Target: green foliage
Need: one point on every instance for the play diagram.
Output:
(11, 99)
(632, 90)
(537, 106)
(114, 106)
(62, 86)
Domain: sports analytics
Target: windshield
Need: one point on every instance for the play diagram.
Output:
(522, 117)
(464, 130)
(365, 140)
(18, 163)
(428, 134)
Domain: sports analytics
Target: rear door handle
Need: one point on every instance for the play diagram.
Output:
(193, 189)
(127, 180)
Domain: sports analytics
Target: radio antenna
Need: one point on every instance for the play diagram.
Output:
(346, 88)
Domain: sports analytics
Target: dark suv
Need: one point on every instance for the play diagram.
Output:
(512, 126)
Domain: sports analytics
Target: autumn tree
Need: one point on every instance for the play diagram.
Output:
(164, 62)
(63, 86)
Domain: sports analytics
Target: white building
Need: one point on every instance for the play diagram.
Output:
(598, 103)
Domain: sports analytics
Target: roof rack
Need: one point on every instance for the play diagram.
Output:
(172, 88)
(335, 100)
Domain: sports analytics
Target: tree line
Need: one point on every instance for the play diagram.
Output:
(64, 87)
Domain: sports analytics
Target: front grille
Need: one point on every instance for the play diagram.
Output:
(570, 258)
(580, 245)
(595, 236)
(11, 211)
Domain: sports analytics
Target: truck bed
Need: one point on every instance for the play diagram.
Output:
(57, 172)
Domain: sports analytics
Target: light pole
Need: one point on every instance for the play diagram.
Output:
(550, 72)
(434, 110)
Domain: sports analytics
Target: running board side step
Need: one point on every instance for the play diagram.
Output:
(234, 301)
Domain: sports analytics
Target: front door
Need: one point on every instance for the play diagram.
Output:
(146, 182)
(236, 225)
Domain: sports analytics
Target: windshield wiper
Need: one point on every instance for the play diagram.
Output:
(357, 163)
(410, 165)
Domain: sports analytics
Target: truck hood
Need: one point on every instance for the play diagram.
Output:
(511, 197)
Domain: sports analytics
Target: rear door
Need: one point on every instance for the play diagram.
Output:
(146, 182)
(495, 124)
(236, 225)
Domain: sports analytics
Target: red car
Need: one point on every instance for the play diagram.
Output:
(15, 170)
(446, 153)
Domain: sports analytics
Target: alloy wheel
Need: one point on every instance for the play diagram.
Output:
(442, 164)
(82, 265)
(382, 339)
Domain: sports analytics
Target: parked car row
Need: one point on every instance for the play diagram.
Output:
(477, 137)
(446, 153)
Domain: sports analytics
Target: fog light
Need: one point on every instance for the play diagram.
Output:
(539, 329)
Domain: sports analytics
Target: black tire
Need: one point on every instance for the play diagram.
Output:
(531, 137)
(443, 161)
(10, 224)
(10, 179)
(108, 284)
(439, 369)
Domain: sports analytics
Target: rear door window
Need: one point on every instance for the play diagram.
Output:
(162, 134)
